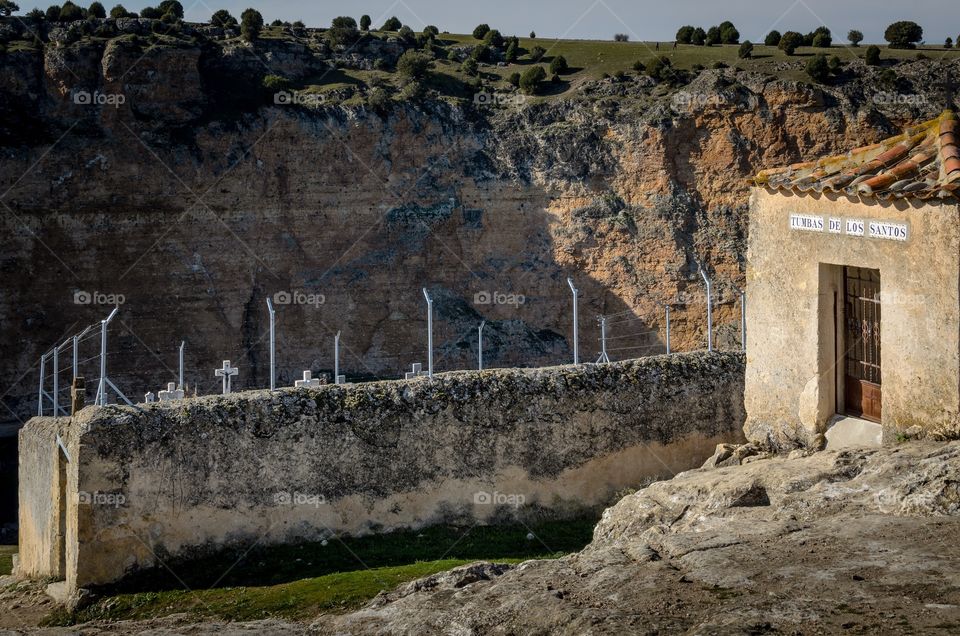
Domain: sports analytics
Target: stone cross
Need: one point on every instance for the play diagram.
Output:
(226, 372)
(308, 381)
(415, 372)
(172, 393)
(149, 398)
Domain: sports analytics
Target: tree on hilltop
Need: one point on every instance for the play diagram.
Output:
(903, 34)
(251, 23)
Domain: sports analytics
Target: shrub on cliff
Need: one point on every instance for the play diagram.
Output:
(172, 6)
(70, 12)
(537, 53)
(872, 56)
(470, 67)
(414, 65)
(531, 78)
(773, 38)
(431, 31)
(251, 23)
(343, 31)
(818, 68)
(903, 34)
(378, 100)
(493, 38)
(222, 18)
(822, 38)
(660, 69)
(514, 80)
(790, 42)
(365, 22)
(512, 52)
(558, 65)
(95, 10)
(481, 31)
(119, 12)
(392, 24)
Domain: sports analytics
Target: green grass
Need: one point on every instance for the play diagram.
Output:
(297, 582)
(594, 59)
(298, 600)
(6, 558)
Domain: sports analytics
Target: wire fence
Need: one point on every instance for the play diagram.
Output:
(626, 334)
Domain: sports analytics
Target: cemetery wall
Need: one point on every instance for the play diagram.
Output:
(161, 481)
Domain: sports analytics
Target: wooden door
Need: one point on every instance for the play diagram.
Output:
(862, 394)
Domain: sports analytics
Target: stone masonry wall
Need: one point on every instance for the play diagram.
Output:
(165, 481)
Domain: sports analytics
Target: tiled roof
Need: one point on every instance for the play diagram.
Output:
(923, 162)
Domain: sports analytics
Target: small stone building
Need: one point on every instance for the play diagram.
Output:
(853, 270)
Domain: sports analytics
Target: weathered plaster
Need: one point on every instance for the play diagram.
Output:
(792, 388)
(215, 471)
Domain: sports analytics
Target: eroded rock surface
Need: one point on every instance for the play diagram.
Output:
(856, 541)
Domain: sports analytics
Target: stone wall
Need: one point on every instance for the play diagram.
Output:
(164, 481)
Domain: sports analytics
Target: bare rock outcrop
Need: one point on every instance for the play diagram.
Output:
(856, 540)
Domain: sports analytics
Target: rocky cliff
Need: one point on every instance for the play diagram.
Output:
(193, 200)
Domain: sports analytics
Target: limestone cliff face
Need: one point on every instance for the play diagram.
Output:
(196, 202)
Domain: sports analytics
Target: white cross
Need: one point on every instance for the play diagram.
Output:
(226, 372)
(308, 381)
(415, 372)
(149, 397)
(172, 393)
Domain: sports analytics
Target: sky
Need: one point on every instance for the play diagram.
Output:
(600, 19)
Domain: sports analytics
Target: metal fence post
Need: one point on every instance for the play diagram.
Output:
(603, 341)
(336, 358)
(668, 329)
(56, 381)
(576, 326)
(429, 333)
(480, 346)
(183, 343)
(709, 311)
(43, 364)
(102, 389)
(273, 345)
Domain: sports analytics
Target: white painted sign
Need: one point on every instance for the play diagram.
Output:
(850, 227)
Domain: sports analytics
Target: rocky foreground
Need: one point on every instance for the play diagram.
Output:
(854, 541)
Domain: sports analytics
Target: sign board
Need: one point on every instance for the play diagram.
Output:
(850, 226)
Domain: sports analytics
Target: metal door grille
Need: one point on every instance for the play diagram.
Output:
(863, 323)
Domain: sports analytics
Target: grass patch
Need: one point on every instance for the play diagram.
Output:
(297, 582)
(298, 600)
(246, 565)
(6, 558)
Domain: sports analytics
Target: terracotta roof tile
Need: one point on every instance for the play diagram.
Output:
(923, 162)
